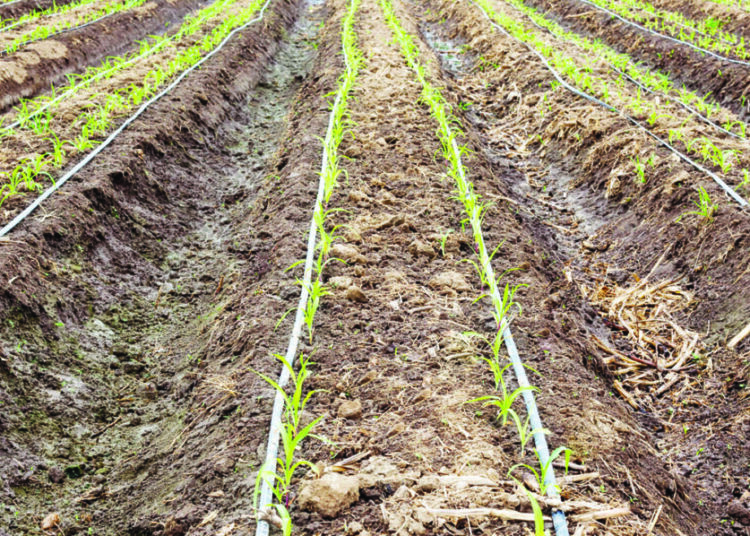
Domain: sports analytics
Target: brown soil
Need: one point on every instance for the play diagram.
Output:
(726, 82)
(19, 9)
(632, 235)
(32, 69)
(138, 303)
(73, 15)
(733, 19)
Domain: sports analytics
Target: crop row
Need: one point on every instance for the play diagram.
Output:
(725, 155)
(30, 109)
(710, 26)
(33, 15)
(502, 301)
(275, 477)
(45, 31)
(741, 4)
(98, 118)
(627, 67)
(704, 34)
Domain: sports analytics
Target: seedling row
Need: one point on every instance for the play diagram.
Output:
(60, 133)
(666, 121)
(45, 31)
(706, 34)
(35, 14)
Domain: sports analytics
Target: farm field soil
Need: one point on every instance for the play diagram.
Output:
(34, 67)
(726, 82)
(140, 301)
(732, 18)
(17, 9)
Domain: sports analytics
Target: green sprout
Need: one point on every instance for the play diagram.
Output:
(541, 473)
(505, 399)
(706, 208)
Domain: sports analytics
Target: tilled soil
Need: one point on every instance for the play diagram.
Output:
(18, 9)
(731, 19)
(613, 244)
(140, 302)
(726, 82)
(37, 65)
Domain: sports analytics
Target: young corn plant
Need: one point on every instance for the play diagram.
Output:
(504, 400)
(316, 290)
(640, 169)
(543, 470)
(293, 432)
(706, 208)
(524, 434)
(494, 361)
(745, 183)
(443, 240)
(537, 510)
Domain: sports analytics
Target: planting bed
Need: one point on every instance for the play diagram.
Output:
(14, 9)
(146, 303)
(727, 82)
(733, 17)
(43, 63)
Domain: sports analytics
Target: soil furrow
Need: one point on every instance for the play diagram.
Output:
(726, 82)
(37, 65)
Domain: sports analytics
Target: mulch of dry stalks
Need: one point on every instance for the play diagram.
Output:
(653, 348)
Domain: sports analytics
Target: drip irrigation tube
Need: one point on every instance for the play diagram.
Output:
(5, 52)
(32, 19)
(724, 186)
(641, 27)
(535, 421)
(642, 86)
(80, 165)
(266, 493)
